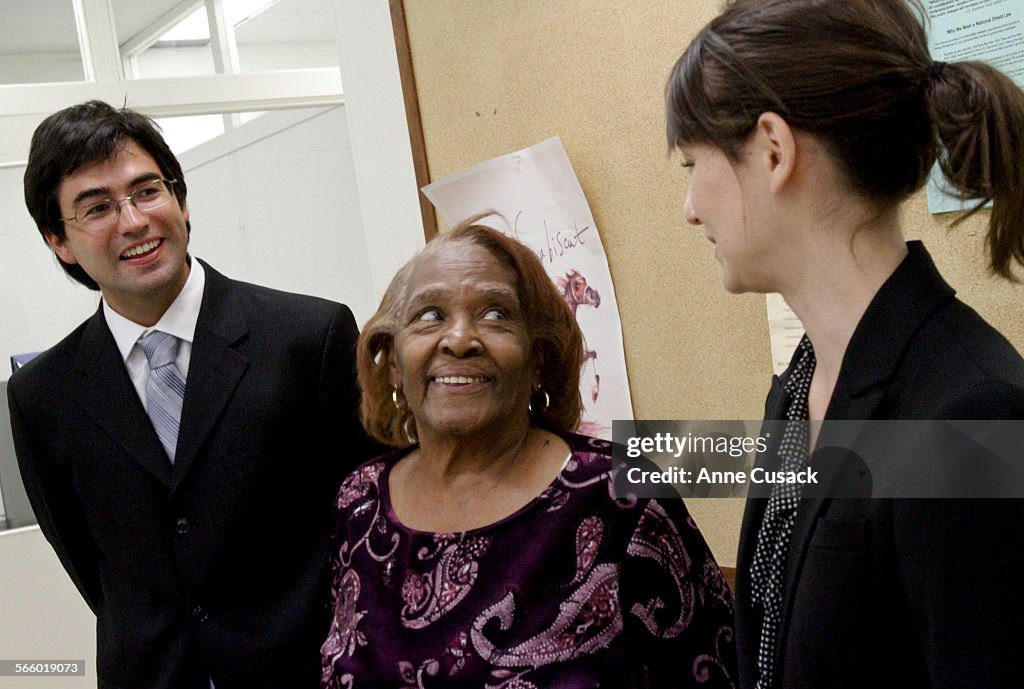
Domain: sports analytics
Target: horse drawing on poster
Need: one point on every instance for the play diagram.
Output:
(577, 292)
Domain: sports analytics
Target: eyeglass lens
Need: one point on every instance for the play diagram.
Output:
(148, 196)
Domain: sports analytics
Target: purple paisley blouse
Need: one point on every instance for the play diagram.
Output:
(576, 589)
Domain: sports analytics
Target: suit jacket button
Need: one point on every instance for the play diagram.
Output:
(181, 525)
(199, 614)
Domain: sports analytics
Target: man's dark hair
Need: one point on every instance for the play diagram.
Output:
(83, 135)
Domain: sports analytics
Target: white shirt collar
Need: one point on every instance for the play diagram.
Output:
(179, 319)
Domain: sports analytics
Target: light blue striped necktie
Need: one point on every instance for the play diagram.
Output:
(165, 390)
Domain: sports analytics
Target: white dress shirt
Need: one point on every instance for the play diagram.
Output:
(179, 320)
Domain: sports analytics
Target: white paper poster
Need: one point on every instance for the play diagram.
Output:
(539, 201)
(988, 30)
(784, 330)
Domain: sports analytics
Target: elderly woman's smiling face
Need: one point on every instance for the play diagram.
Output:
(462, 355)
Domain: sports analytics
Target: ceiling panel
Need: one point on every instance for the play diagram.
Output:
(37, 26)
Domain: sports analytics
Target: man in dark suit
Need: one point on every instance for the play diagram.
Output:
(182, 447)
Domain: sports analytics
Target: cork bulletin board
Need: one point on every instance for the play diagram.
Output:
(497, 76)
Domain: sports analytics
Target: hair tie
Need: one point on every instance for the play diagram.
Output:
(935, 69)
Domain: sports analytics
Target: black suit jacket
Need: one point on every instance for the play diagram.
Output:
(901, 593)
(217, 567)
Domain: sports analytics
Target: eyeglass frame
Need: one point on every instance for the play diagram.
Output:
(168, 183)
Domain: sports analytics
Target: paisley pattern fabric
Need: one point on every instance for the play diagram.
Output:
(576, 589)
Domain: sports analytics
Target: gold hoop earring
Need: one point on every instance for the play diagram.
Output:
(394, 398)
(410, 436)
(547, 403)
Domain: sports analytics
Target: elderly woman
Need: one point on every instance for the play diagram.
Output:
(489, 550)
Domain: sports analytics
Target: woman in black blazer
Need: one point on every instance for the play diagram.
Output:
(806, 124)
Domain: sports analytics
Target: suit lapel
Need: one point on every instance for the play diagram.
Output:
(872, 359)
(108, 396)
(842, 434)
(214, 369)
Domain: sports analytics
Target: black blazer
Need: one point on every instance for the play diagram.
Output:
(217, 567)
(901, 593)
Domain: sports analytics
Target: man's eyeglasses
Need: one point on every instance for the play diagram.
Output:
(103, 214)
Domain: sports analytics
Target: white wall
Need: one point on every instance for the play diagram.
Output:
(16, 136)
(38, 304)
(42, 615)
(292, 220)
(174, 62)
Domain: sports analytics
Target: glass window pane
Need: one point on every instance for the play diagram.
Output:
(283, 34)
(244, 117)
(183, 133)
(181, 48)
(39, 43)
